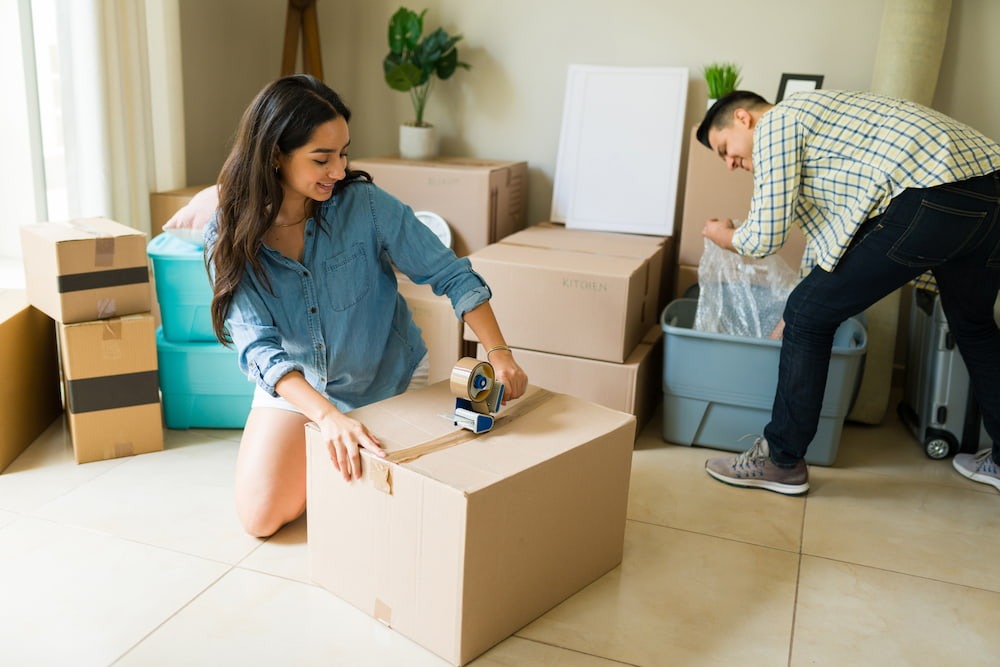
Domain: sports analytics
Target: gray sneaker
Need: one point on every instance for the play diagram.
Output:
(978, 467)
(754, 469)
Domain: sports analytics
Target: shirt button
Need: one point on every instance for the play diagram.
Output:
(313, 309)
(319, 346)
(305, 274)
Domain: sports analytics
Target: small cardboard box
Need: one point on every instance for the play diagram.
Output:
(481, 200)
(574, 292)
(112, 387)
(461, 547)
(29, 393)
(86, 269)
(712, 191)
(441, 330)
(163, 205)
(632, 386)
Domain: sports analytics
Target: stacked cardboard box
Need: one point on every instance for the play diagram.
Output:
(460, 547)
(581, 308)
(29, 393)
(92, 277)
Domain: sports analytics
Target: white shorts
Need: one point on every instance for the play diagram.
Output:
(262, 399)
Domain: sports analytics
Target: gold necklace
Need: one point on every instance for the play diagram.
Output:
(291, 224)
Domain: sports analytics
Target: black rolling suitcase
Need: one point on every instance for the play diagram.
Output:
(938, 405)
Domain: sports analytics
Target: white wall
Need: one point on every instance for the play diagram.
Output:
(509, 106)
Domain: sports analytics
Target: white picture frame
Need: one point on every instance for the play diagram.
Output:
(619, 149)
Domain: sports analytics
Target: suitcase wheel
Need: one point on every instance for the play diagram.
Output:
(940, 444)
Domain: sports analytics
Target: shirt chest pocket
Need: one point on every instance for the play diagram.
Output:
(348, 277)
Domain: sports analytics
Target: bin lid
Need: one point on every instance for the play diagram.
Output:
(172, 244)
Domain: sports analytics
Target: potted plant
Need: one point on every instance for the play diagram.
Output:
(722, 79)
(411, 66)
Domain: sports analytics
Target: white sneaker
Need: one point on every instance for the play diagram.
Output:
(978, 467)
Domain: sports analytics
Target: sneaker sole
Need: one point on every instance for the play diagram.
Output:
(977, 477)
(776, 487)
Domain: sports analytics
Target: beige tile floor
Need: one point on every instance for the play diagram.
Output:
(140, 562)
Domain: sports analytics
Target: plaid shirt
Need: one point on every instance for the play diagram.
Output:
(829, 160)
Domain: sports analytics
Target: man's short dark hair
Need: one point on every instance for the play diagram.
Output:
(718, 114)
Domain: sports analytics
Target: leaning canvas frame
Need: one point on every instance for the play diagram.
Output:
(619, 149)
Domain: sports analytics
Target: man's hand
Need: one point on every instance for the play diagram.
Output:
(719, 232)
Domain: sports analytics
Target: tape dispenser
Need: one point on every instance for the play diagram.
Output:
(477, 395)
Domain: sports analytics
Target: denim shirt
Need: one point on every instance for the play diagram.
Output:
(338, 316)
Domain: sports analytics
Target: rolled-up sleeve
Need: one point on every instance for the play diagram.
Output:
(417, 252)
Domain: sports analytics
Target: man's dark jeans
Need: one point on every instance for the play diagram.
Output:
(952, 230)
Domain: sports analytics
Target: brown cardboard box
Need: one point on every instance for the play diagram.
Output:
(574, 292)
(687, 276)
(29, 393)
(712, 191)
(112, 387)
(481, 200)
(633, 386)
(163, 205)
(441, 330)
(87, 269)
(461, 547)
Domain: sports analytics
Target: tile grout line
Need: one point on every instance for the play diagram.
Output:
(720, 537)
(798, 582)
(172, 615)
(574, 650)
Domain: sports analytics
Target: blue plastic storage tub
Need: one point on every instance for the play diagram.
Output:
(183, 289)
(201, 385)
(718, 388)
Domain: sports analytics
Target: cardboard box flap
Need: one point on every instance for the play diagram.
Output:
(439, 163)
(556, 236)
(552, 259)
(526, 440)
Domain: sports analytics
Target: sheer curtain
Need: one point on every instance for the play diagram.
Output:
(93, 119)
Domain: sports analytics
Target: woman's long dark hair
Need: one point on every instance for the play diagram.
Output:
(280, 119)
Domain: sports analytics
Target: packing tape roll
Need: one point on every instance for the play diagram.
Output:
(472, 379)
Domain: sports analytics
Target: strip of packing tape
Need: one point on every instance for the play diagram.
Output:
(104, 245)
(472, 379)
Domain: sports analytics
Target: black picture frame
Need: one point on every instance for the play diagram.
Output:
(794, 83)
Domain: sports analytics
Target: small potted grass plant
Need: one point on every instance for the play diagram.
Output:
(722, 79)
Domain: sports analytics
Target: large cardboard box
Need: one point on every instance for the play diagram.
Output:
(441, 330)
(163, 205)
(29, 393)
(712, 191)
(461, 547)
(574, 292)
(481, 200)
(86, 269)
(632, 386)
(112, 387)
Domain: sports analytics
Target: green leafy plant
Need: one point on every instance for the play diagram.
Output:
(722, 78)
(413, 63)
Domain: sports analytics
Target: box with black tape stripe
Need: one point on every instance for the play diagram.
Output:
(112, 387)
(86, 269)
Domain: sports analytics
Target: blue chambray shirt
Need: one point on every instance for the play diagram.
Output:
(337, 316)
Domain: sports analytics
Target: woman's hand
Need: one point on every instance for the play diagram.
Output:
(507, 371)
(345, 437)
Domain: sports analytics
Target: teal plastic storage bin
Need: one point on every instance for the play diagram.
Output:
(183, 289)
(718, 388)
(201, 385)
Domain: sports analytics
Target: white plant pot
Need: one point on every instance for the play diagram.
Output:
(417, 143)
